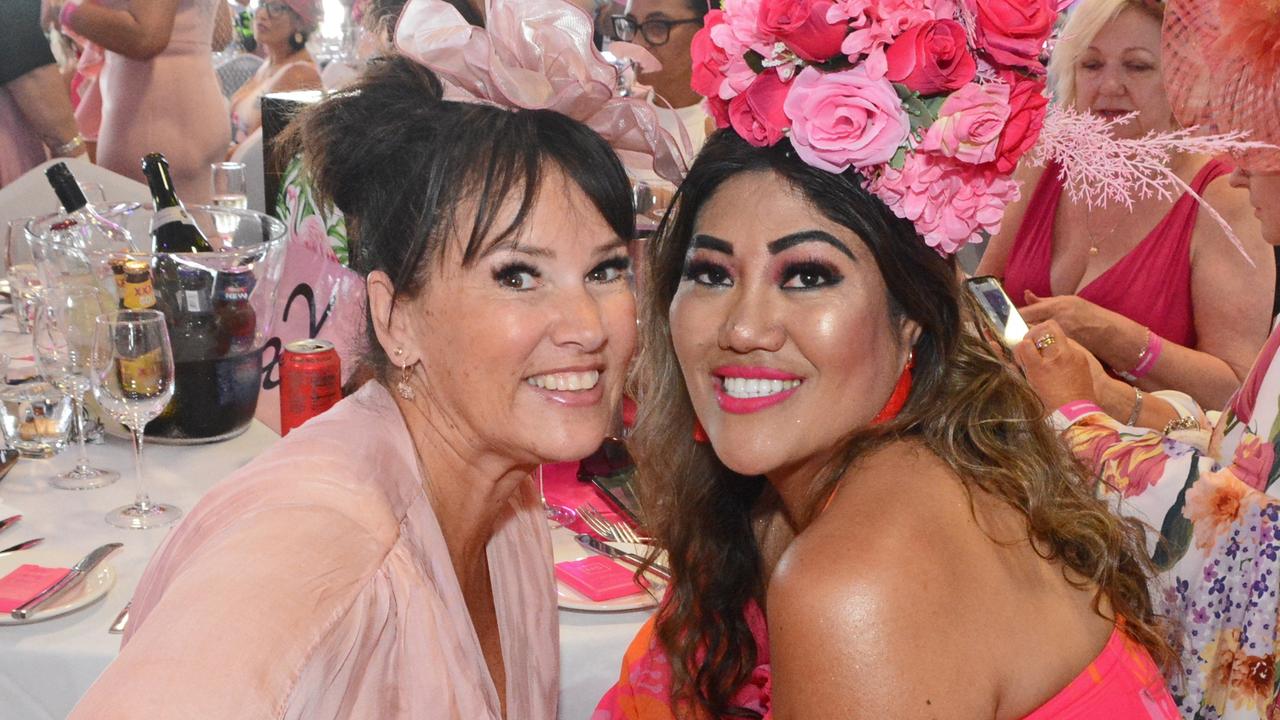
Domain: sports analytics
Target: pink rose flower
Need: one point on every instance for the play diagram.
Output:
(709, 59)
(718, 109)
(1014, 31)
(1027, 107)
(969, 123)
(756, 114)
(741, 30)
(875, 23)
(738, 76)
(844, 119)
(802, 26)
(931, 58)
(951, 203)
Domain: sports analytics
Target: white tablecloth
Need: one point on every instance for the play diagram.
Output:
(45, 667)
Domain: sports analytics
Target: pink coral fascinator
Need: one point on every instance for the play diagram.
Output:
(1222, 70)
(534, 54)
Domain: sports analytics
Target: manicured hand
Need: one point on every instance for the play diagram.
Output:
(1060, 370)
(1081, 319)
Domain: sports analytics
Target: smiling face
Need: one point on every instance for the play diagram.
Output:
(672, 81)
(782, 328)
(1264, 194)
(1119, 73)
(523, 352)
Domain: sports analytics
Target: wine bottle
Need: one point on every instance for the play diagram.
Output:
(172, 229)
(84, 227)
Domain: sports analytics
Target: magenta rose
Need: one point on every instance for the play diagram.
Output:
(709, 59)
(1027, 107)
(756, 114)
(741, 30)
(1014, 31)
(969, 123)
(931, 58)
(843, 119)
(718, 109)
(802, 26)
(951, 203)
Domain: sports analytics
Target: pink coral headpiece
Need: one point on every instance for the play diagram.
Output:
(534, 54)
(932, 101)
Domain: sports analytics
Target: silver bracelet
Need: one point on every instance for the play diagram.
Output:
(1137, 407)
(71, 147)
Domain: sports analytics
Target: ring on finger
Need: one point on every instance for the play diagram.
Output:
(1045, 341)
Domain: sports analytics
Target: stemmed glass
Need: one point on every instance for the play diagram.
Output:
(558, 514)
(133, 382)
(63, 335)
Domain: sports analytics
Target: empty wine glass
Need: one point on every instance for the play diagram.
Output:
(62, 335)
(133, 382)
(558, 514)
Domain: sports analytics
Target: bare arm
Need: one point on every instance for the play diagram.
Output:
(42, 97)
(222, 30)
(141, 32)
(996, 256)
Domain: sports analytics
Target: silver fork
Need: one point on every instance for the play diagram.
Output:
(615, 531)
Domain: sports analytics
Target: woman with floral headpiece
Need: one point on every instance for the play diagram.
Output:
(1211, 493)
(863, 511)
(1151, 286)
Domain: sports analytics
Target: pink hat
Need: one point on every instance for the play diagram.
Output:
(1222, 70)
(309, 10)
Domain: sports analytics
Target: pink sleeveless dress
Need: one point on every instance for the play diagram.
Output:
(171, 104)
(1151, 285)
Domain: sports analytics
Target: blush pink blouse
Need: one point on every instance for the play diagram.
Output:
(315, 583)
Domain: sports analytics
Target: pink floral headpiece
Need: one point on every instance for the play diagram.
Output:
(534, 54)
(932, 101)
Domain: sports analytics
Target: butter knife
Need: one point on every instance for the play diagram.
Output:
(73, 577)
(5, 523)
(631, 559)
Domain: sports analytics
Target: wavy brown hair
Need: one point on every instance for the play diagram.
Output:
(966, 405)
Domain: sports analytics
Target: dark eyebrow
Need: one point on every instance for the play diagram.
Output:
(787, 242)
(709, 242)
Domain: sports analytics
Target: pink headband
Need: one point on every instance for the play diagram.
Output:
(534, 54)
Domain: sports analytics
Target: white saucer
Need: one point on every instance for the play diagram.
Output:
(93, 587)
(565, 548)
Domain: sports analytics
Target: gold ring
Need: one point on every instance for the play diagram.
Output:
(1045, 341)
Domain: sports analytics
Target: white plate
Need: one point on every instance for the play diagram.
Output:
(94, 586)
(565, 548)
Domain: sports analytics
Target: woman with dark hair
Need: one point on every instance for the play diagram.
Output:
(863, 510)
(390, 558)
(281, 28)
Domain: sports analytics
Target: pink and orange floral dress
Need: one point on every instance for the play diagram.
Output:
(1214, 500)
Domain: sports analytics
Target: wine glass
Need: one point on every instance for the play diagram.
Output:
(229, 191)
(20, 270)
(62, 336)
(133, 381)
(558, 514)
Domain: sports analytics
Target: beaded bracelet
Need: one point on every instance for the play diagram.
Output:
(1137, 408)
(1182, 423)
(1146, 359)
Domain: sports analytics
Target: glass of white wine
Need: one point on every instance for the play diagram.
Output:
(133, 382)
(229, 191)
(63, 336)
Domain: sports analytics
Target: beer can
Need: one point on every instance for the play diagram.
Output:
(310, 381)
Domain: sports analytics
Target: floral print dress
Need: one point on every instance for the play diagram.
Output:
(313, 223)
(1216, 507)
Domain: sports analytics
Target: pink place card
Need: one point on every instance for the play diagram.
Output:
(26, 582)
(598, 578)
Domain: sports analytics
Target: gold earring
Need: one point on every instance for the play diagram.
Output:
(403, 388)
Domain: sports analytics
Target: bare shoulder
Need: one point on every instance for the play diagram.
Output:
(872, 587)
(1234, 206)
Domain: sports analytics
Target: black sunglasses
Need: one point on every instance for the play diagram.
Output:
(655, 31)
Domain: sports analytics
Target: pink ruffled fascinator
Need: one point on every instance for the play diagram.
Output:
(534, 54)
(934, 102)
(309, 10)
(1222, 70)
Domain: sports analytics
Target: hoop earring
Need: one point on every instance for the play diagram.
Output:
(299, 41)
(901, 391)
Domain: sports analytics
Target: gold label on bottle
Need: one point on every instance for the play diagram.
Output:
(140, 376)
(139, 296)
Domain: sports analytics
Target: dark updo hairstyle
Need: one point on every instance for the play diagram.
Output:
(966, 405)
(410, 170)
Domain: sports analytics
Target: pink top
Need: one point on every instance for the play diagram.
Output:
(1151, 285)
(1121, 682)
(315, 583)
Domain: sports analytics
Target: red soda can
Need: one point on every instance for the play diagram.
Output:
(310, 381)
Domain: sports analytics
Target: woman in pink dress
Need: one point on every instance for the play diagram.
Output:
(390, 558)
(1142, 287)
(159, 90)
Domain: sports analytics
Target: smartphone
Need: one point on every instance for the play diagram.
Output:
(1001, 315)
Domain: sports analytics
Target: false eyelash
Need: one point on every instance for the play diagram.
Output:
(821, 268)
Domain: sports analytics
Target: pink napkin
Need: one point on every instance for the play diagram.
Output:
(561, 486)
(26, 582)
(597, 578)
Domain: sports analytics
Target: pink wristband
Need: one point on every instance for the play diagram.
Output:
(1155, 345)
(64, 17)
(1073, 411)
